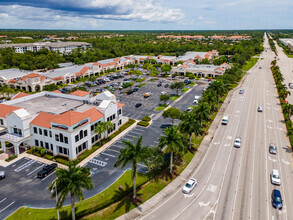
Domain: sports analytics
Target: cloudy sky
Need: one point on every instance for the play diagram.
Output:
(146, 14)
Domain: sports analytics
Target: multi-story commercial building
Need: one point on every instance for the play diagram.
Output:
(63, 124)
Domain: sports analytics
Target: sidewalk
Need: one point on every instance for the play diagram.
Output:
(186, 174)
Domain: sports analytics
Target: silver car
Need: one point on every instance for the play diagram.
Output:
(259, 109)
(189, 186)
(273, 149)
(2, 175)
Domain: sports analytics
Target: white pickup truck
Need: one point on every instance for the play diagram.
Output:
(225, 120)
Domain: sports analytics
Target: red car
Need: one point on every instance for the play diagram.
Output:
(209, 80)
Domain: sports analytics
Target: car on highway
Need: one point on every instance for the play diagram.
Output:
(275, 177)
(260, 67)
(273, 149)
(290, 85)
(237, 142)
(259, 109)
(137, 105)
(2, 174)
(189, 186)
(47, 170)
(277, 199)
(225, 120)
(241, 91)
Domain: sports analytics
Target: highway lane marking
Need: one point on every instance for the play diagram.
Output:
(285, 162)
(227, 145)
(281, 129)
(229, 137)
(188, 196)
(7, 206)
(216, 143)
(269, 127)
(212, 188)
(203, 204)
(274, 160)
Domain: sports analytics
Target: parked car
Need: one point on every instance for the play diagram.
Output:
(137, 105)
(189, 109)
(129, 92)
(146, 95)
(135, 89)
(163, 93)
(159, 84)
(186, 81)
(241, 91)
(189, 186)
(277, 199)
(259, 109)
(275, 177)
(273, 149)
(260, 67)
(2, 174)
(47, 170)
(166, 85)
(237, 142)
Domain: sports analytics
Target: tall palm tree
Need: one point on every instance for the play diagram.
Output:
(100, 129)
(202, 111)
(219, 88)
(190, 125)
(71, 181)
(133, 153)
(109, 126)
(174, 142)
(211, 98)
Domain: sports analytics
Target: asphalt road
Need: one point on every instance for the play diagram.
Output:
(234, 183)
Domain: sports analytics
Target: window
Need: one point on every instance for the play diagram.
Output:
(66, 140)
(76, 138)
(56, 137)
(119, 112)
(93, 139)
(45, 132)
(85, 133)
(80, 134)
(46, 145)
(35, 130)
(51, 147)
(1, 122)
(60, 150)
(92, 127)
(37, 143)
(119, 122)
(41, 143)
(40, 131)
(50, 133)
(61, 137)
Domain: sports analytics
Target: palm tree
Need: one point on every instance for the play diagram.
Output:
(100, 129)
(133, 153)
(103, 127)
(71, 181)
(210, 98)
(219, 88)
(174, 142)
(202, 111)
(190, 125)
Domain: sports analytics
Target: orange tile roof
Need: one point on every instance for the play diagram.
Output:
(58, 78)
(31, 75)
(80, 93)
(119, 105)
(43, 78)
(56, 91)
(12, 81)
(6, 110)
(69, 118)
(94, 114)
(19, 95)
(43, 120)
(221, 68)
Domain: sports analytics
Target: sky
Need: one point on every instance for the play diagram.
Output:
(146, 14)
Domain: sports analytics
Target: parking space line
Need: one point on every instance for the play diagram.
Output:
(7, 206)
(27, 164)
(35, 169)
(118, 146)
(98, 162)
(131, 135)
(48, 176)
(3, 200)
(107, 154)
(135, 132)
(13, 164)
(114, 150)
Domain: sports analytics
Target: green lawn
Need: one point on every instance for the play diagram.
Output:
(154, 79)
(250, 63)
(161, 107)
(143, 84)
(174, 97)
(192, 84)
(185, 89)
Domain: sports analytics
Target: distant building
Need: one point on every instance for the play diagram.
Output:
(61, 47)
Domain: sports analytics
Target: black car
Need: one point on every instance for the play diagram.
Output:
(159, 84)
(135, 89)
(277, 199)
(47, 170)
(137, 105)
(186, 81)
(129, 92)
(166, 85)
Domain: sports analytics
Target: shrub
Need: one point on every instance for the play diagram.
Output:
(62, 160)
(143, 123)
(37, 154)
(43, 151)
(146, 118)
(49, 157)
(122, 128)
(11, 158)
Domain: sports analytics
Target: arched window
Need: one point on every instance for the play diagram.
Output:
(81, 134)
(61, 137)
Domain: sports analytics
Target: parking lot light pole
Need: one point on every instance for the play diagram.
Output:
(56, 201)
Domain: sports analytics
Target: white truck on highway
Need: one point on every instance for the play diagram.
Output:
(291, 85)
(225, 120)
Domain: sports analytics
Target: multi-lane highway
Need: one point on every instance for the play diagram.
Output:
(234, 183)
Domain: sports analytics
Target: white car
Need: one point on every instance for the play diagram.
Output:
(189, 186)
(275, 177)
(2, 175)
(237, 142)
(259, 109)
(195, 101)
